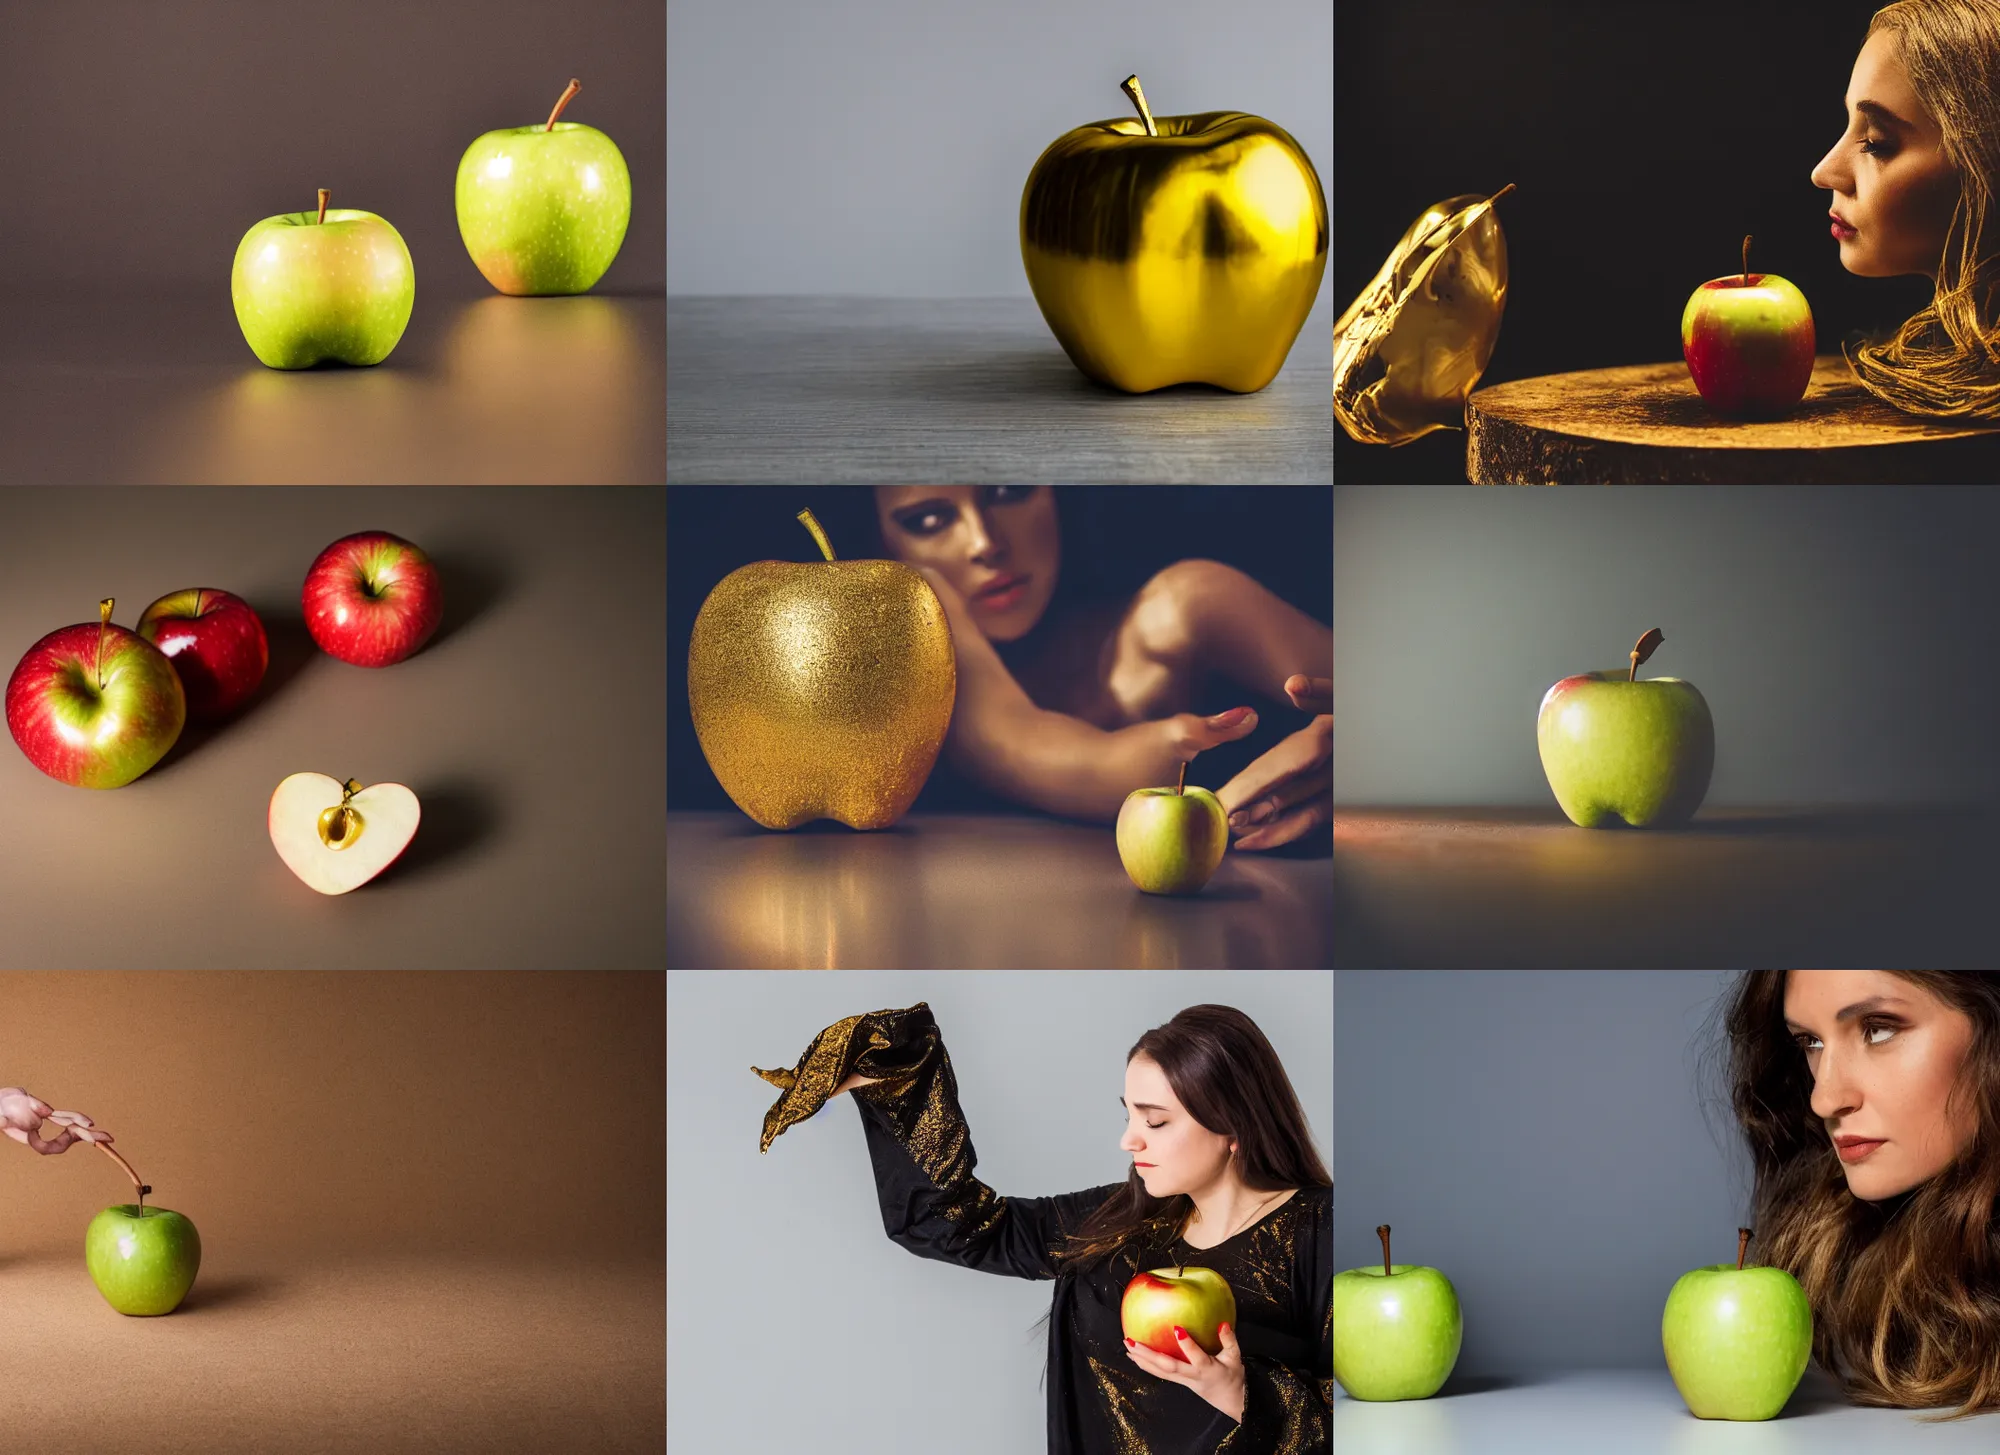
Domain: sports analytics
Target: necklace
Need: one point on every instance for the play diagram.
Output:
(1244, 1222)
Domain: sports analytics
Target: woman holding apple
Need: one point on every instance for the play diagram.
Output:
(1916, 184)
(22, 1115)
(1070, 709)
(1224, 1177)
(1870, 1100)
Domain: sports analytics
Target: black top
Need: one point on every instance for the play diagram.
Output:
(1100, 1402)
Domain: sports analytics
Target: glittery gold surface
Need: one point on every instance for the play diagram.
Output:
(822, 690)
(1410, 347)
(1280, 1268)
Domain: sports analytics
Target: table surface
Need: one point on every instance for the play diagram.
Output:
(1635, 1412)
(1493, 888)
(161, 389)
(865, 391)
(532, 729)
(967, 891)
(339, 1354)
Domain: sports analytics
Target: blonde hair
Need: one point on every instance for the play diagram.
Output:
(1945, 359)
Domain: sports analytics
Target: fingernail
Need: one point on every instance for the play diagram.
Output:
(1229, 718)
(1128, 1344)
(1238, 819)
(1179, 1332)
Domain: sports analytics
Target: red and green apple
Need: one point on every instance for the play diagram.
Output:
(1197, 1299)
(216, 643)
(1748, 340)
(1620, 748)
(372, 599)
(1170, 840)
(95, 705)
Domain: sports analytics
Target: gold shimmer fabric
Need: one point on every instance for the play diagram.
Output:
(1100, 1402)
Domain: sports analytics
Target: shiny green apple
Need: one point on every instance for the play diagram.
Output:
(1737, 1339)
(1396, 1329)
(543, 209)
(142, 1259)
(1170, 841)
(1619, 747)
(332, 286)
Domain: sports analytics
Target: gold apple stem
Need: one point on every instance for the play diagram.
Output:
(103, 621)
(1131, 87)
(1180, 786)
(1742, 1242)
(1501, 193)
(812, 524)
(1746, 260)
(1383, 1233)
(324, 197)
(105, 1148)
(562, 101)
(340, 825)
(1646, 647)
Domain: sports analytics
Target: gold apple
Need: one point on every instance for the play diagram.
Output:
(822, 690)
(1176, 250)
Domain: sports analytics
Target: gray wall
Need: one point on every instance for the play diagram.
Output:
(880, 146)
(1537, 1135)
(792, 1322)
(1845, 638)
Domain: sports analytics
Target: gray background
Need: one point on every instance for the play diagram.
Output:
(880, 146)
(792, 1322)
(530, 728)
(1843, 637)
(1538, 1136)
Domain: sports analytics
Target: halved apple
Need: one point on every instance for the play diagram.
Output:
(337, 836)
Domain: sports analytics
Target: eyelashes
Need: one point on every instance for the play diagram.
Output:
(1868, 1028)
(930, 522)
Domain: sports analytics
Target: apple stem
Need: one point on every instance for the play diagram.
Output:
(562, 101)
(105, 1148)
(103, 621)
(1131, 87)
(1746, 260)
(1646, 647)
(1742, 1242)
(324, 197)
(1501, 193)
(1383, 1233)
(811, 523)
(1180, 786)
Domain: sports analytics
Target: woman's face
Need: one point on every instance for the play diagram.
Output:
(1173, 1152)
(1883, 1053)
(1892, 186)
(998, 544)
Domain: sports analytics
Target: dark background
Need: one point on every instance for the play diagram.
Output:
(1113, 539)
(143, 140)
(1644, 142)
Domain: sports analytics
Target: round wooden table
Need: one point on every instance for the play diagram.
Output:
(1645, 425)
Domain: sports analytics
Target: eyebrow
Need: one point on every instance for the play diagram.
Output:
(1860, 1007)
(1880, 113)
(1141, 1105)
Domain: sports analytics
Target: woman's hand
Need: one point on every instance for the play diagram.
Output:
(857, 1079)
(22, 1115)
(1216, 1378)
(1288, 790)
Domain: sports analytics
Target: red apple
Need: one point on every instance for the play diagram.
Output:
(1198, 1299)
(1748, 341)
(216, 644)
(94, 705)
(372, 599)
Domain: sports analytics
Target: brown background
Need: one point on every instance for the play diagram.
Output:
(432, 1210)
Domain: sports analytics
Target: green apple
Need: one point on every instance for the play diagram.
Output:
(543, 209)
(1171, 839)
(1616, 747)
(1748, 340)
(1737, 1339)
(143, 1259)
(1199, 1300)
(1396, 1329)
(333, 286)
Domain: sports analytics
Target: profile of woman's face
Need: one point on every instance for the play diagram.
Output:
(1173, 1152)
(1891, 182)
(998, 544)
(1883, 1053)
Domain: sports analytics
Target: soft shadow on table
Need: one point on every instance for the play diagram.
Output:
(1009, 375)
(1459, 1384)
(229, 1291)
(473, 585)
(745, 827)
(457, 816)
(291, 647)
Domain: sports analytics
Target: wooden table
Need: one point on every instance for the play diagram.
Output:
(1503, 888)
(1646, 425)
(866, 391)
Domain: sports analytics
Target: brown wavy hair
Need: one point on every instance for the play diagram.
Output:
(1225, 1073)
(1945, 359)
(1905, 1293)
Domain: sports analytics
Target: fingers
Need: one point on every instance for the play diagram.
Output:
(1310, 694)
(69, 1118)
(1293, 790)
(1154, 1362)
(60, 1143)
(1198, 1358)
(1300, 752)
(1228, 1332)
(17, 1134)
(1195, 734)
(1299, 821)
